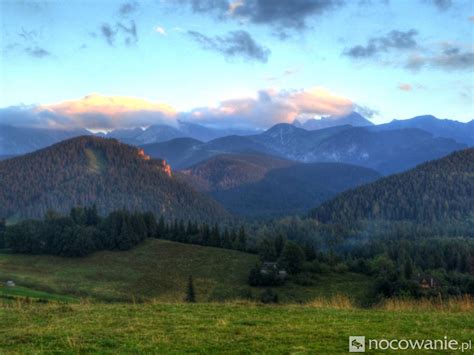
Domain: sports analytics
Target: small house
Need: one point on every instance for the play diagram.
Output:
(428, 282)
(272, 268)
(10, 283)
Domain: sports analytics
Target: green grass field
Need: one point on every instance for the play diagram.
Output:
(147, 286)
(26, 293)
(212, 328)
(159, 270)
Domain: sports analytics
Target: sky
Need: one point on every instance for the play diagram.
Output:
(246, 63)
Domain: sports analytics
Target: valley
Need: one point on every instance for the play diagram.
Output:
(236, 177)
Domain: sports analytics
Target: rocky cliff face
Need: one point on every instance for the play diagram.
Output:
(166, 167)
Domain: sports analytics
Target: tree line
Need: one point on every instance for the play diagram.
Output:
(84, 231)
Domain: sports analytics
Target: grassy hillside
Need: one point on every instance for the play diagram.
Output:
(213, 328)
(159, 270)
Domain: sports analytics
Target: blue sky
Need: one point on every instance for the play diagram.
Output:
(388, 59)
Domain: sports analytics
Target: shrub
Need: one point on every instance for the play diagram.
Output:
(269, 296)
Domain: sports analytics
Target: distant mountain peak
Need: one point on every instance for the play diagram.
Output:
(462, 132)
(354, 119)
(282, 128)
(297, 123)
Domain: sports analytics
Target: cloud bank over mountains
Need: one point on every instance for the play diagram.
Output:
(99, 112)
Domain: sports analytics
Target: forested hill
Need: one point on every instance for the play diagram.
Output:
(87, 170)
(436, 191)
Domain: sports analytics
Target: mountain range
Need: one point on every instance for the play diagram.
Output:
(162, 133)
(90, 170)
(386, 151)
(20, 140)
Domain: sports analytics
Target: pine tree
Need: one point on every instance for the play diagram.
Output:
(266, 249)
(215, 239)
(408, 269)
(292, 258)
(205, 234)
(189, 229)
(279, 243)
(161, 230)
(92, 216)
(151, 226)
(309, 251)
(190, 294)
(78, 215)
(226, 240)
(242, 239)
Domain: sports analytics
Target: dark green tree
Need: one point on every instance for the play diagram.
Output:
(215, 238)
(190, 293)
(292, 258)
(161, 229)
(279, 243)
(408, 269)
(242, 239)
(266, 249)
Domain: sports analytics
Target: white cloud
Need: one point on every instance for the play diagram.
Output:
(160, 30)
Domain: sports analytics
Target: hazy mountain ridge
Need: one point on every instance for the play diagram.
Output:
(293, 190)
(386, 151)
(264, 186)
(459, 131)
(21, 140)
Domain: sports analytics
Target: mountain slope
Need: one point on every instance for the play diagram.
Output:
(436, 191)
(294, 189)
(227, 171)
(180, 152)
(87, 170)
(263, 186)
(459, 131)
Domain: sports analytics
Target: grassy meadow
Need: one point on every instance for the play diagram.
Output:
(131, 302)
(213, 327)
(158, 270)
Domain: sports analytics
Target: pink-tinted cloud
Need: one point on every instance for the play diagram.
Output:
(405, 87)
(100, 112)
(271, 107)
(107, 112)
